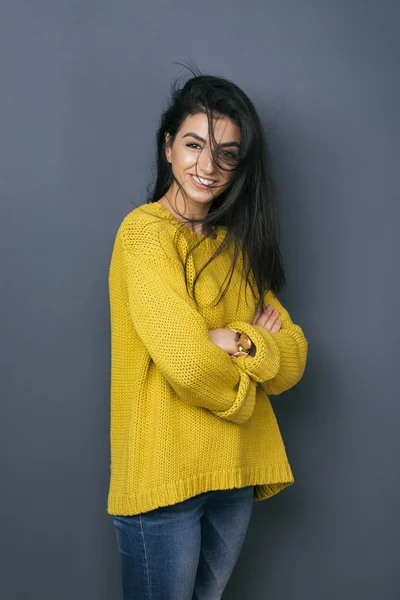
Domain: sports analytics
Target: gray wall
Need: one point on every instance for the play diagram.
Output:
(82, 88)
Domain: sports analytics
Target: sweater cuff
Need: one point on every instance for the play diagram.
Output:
(266, 362)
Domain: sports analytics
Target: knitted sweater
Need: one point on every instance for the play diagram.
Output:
(185, 417)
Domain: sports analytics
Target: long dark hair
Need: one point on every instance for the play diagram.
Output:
(248, 206)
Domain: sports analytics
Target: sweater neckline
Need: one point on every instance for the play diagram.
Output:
(207, 241)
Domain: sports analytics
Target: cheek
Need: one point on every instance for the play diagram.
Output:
(182, 158)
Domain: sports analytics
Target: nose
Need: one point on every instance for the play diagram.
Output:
(205, 162)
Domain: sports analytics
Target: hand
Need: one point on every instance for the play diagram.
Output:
(267, 318)
(224, 338)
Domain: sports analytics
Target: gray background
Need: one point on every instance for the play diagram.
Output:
(82, 88)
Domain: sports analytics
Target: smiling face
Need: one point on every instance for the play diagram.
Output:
(191, 158)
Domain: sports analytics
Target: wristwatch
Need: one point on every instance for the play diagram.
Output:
(243, 343)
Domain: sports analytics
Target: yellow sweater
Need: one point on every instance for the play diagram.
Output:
(185, 417)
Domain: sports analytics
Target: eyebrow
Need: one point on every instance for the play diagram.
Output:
(224, 145)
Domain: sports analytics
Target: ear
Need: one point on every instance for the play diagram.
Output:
(168, 147)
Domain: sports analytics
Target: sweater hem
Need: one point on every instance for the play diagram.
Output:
(267, 482)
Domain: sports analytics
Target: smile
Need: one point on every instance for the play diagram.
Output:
(200, 182)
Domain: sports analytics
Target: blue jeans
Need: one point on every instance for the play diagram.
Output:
(184, 551)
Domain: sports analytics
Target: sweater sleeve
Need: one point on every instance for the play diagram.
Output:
(176, 337)
(281, 357)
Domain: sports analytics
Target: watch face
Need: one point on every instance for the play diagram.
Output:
(245, 341)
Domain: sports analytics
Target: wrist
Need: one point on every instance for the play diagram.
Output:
(232, 346)
(242, 343)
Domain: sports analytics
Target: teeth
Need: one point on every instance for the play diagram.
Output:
(204, 181)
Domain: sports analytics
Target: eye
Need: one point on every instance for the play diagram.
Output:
(227, 153)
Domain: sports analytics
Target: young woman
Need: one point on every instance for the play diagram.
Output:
(199, 342)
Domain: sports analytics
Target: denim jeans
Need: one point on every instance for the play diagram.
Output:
(184, 551)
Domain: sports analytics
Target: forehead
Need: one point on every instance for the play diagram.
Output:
(225, 130)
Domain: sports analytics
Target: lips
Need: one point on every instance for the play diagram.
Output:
(198, 182)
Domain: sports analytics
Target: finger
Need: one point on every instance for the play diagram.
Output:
(258, 312)
(276, 326)
(273, 315)
(266, 313)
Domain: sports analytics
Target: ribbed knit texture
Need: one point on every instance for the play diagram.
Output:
(186, 417)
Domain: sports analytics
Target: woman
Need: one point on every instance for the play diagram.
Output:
(199, 342)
